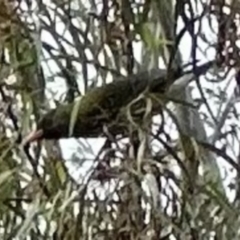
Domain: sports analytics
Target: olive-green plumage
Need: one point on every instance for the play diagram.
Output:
(103, 106)
(100, 106)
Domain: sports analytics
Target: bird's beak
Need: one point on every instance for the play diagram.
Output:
(33, 136)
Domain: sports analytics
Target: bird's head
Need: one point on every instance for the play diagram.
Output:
(51, 126)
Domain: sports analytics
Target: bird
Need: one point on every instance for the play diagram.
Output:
(103, 107)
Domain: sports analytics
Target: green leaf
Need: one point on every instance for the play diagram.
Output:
(74, 116)
(5, 176)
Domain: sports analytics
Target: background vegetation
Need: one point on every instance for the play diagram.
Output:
(183, 182)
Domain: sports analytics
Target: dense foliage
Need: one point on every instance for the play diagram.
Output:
(176, 177)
